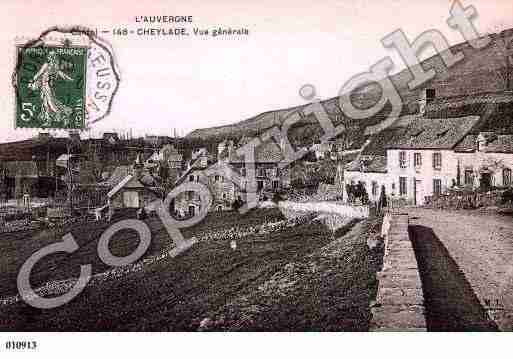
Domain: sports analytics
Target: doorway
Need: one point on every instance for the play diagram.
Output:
(419, 193)
(486, 180)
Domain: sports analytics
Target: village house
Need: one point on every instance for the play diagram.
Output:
(136, 190)
(422, 162)
(166, 163)
(370, 165)
(371, 171)
(485, 160)
(225, 190)
(19, 178)
(419, 157)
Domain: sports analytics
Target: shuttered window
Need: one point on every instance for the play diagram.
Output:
(402, 186)
(437, 160)
(469, 177)
(506, 177)
(417, 159)
(402, 159)
(437, 187)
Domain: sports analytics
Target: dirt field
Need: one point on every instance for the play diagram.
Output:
(178, 294)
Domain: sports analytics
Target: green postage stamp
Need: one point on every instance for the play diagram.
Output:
(51, 87)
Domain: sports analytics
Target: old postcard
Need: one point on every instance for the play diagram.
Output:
(270, 166)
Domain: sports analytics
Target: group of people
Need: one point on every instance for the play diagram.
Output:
(357, 191)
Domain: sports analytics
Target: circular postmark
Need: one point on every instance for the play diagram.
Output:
(307, 92)
(64, 79)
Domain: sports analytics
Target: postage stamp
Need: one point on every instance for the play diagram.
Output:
(66, 79)
(51, 85)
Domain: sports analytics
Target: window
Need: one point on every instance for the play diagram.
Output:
(191, 178)
(437, 160)
(190, 195)
(243, 172)
(417, 159)
(260, 185)
(216, 178)
(402, 159)
(402, 186)
(469, 177)
(430, 95)
(374, 188)
(506, 177)
(224, 195)
(261, 172)
(276, 184)
(437, 187)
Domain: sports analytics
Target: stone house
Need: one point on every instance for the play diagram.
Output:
(19, 178)
(132, 187)
(226, 188)
(131, 193)
(370, 165)
(485, 160)
(371, 170)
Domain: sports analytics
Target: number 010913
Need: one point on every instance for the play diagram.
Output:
(20, 345)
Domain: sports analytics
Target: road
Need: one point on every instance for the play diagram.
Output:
(467, 261)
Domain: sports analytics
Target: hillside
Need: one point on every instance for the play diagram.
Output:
(481, 71)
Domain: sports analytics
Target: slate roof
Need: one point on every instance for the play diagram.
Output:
(434, 133)
(117, 176)
(266, 152)
(497, 144)
(374, 164)
(467, 144)
(501, 144)
(119, 186)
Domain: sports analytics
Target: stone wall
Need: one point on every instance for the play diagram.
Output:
(399, 301)
(324, 207)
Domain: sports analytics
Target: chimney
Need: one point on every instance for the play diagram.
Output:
(428, 96)
(231, 147)
(138, 166)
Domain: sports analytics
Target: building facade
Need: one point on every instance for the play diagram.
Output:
(228, 179)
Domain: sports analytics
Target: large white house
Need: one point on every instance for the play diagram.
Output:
(426, 157)
(422, 161)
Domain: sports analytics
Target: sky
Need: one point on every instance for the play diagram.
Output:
(194, 82)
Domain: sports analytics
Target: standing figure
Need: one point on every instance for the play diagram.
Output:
(52, 109)
(382, 199)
